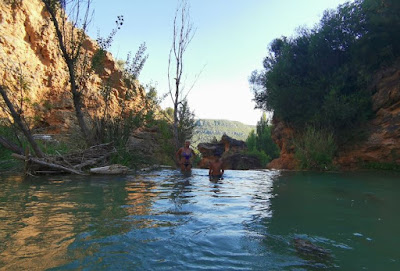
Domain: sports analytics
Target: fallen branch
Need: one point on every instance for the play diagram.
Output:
(92, 161)
(50, 165)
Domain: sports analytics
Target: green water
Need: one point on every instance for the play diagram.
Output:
(166, 221)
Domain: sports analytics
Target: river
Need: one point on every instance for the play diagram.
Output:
(162, 220)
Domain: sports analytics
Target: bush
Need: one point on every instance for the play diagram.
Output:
(261, 155)
(314, 149)
(260, 143)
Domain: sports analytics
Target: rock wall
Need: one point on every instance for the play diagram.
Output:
(381, 140)
(282, 135)
(231, 151)
(28, 47)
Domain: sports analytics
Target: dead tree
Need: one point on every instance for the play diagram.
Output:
(71, 35)
(17, 119)
(182, 36)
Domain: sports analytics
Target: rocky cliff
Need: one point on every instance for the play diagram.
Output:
(29, 50)
(380, 140)
(231, 151)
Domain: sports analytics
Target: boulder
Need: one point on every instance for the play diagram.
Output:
(232, 152)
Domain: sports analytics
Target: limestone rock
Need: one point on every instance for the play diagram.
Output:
(29, 48)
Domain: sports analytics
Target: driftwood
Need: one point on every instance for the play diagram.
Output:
(73, 163)
(47, 164)
(112, 169)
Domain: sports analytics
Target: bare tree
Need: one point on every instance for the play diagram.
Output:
(70, 19)
(25, 130)
(182, 36)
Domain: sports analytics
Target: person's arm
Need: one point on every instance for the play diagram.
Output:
(210, 170)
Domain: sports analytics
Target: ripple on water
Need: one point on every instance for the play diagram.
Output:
(164, 220)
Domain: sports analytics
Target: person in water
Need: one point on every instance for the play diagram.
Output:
(216, 168)
(184, 156)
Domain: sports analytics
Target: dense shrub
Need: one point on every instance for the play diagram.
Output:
(259, 143)
(314, 149)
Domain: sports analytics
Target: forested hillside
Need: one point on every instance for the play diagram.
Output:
(206, 130)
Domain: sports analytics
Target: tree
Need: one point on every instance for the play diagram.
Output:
(18, 120)
(70, 20)
(260, 141)
(186, 123)
(182, 36)
(318, 76)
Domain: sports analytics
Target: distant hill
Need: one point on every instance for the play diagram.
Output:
(207, 129)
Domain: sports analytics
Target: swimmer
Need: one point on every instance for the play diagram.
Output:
(216, 168)
(184, 155)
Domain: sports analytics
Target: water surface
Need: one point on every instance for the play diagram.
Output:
(164, 220)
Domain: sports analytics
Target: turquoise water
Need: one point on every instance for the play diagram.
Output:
(165, 221)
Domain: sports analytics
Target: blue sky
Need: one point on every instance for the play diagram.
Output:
(231, 41)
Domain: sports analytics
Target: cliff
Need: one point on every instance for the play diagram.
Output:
(378, 140)
(29, 50)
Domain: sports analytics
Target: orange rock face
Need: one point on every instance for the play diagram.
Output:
(381, 142)
(282, 136)
(29, 47)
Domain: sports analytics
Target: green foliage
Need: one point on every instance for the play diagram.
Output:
(260, 143)
(167, 145)
(117, 129)
(99, 56)
(261, 155)
(320, 76)
(133, 66)
(7, 163)
(124, 157)
(315, 148)
(169, 112)
(186, 122)
(381, 166)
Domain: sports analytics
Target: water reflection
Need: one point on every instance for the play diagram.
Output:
(163, 220)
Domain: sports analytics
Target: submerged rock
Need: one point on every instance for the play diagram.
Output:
(307, 248)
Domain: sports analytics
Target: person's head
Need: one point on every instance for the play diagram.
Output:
(187, 143)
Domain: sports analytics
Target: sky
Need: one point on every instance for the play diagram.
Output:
(230, 41)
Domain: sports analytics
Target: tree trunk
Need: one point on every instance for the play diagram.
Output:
(76, 97)
(18, 121)
(70, 61)
(11, 146)
(175, 126)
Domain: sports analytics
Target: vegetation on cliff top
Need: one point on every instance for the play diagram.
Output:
(320, 77)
